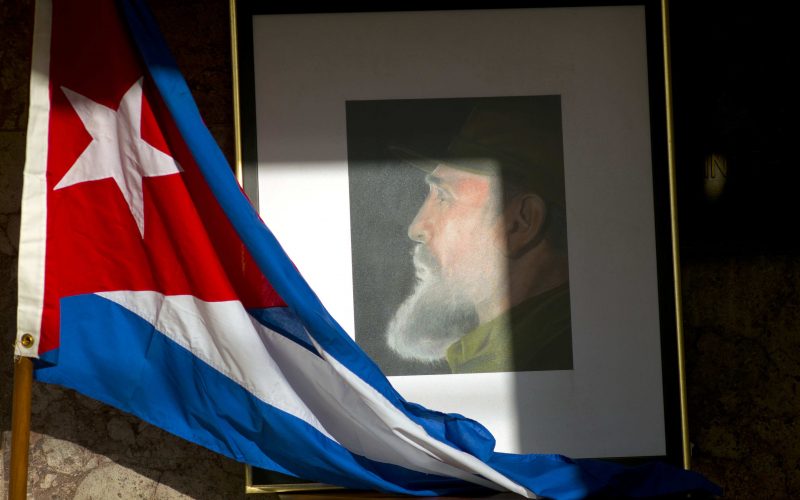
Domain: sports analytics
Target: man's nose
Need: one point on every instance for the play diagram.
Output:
(417, 230)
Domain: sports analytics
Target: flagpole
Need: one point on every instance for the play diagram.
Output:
(20, 428)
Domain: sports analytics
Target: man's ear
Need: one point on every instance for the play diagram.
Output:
(525, 218)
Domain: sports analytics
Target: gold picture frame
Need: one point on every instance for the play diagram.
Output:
(670, 335)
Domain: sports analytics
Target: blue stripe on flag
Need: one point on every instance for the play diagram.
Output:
(282, 320)
(113, 355)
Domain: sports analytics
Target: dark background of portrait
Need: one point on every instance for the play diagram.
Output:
(740, 263)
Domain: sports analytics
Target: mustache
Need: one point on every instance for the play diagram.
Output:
(425, 264)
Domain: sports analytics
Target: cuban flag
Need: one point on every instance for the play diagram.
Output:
(147, 281)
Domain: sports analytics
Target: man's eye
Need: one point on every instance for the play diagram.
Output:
(441, 195)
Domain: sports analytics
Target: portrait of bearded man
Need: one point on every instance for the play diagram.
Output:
(490, 288)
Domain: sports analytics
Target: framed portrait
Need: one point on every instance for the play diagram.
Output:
(481, 198)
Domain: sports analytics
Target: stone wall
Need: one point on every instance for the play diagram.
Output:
(742, 317)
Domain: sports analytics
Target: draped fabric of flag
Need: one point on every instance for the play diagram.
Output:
(149, 282)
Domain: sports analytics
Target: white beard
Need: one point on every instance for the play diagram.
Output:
(432, 318)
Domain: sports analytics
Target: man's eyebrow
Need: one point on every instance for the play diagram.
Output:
(435, 180)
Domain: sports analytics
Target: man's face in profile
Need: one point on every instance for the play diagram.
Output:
(458, 261)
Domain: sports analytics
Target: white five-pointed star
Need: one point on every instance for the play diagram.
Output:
(117, 150)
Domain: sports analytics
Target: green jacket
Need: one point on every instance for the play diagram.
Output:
(534, 335)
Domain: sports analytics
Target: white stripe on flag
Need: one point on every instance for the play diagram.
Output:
(33, 227)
